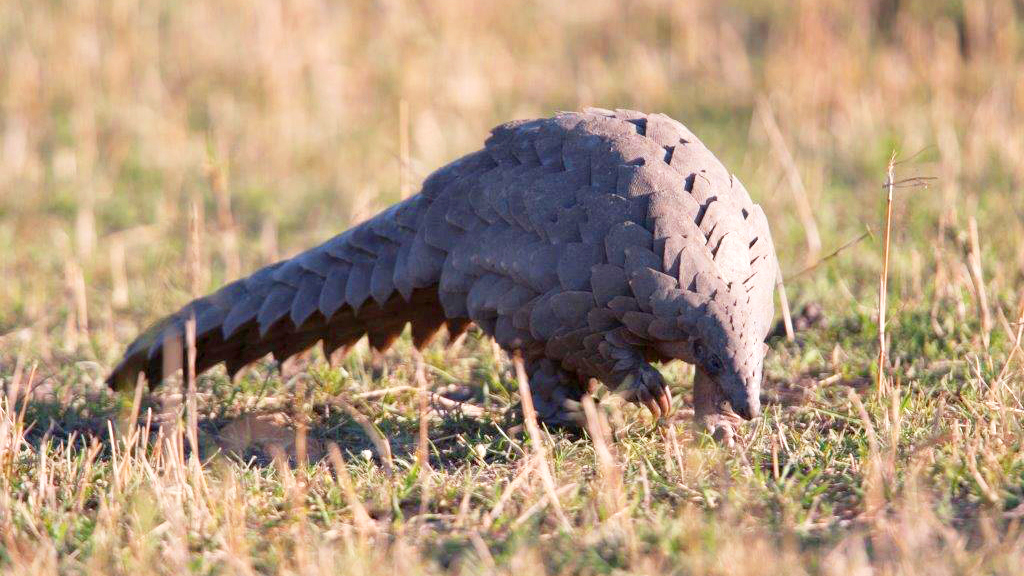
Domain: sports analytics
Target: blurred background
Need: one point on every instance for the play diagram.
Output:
(286, 121)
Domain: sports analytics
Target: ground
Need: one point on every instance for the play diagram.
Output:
(283, 123)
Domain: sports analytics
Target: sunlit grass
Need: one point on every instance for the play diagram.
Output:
(281, 122)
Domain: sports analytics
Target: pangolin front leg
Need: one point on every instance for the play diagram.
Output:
(639, 382)
(556, 393)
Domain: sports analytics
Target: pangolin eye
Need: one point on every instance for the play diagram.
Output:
(698, 350)
(714, 365)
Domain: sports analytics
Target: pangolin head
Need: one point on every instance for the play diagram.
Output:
(729, 350)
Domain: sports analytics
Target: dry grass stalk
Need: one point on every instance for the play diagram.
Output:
(295, 490)
(268, 240)
(217, 176)
(883, 279)
(673, 454)
(364, 524)
(133, 417)
(787, 316)
(1017, 337)
(978, 279)
(195, 281)
(118, 480)
(404, 168)
(423, 440)
(833, 254)
(524, 473)
(76, 327)
(480, 547)
(380, 442)
(796, 184)
(537, 440)
(438, 404)
(195, 264)
(12, 422)
(874, 494)
(991, 496)
(548, 498)
(14, 386)
(301, 419)
(191, 404)
(85, 224)
(611, 473)
(172, 363)
(118, 274)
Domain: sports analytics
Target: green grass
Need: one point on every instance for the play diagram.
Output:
(116, 116)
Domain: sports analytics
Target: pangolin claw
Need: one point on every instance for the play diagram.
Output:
(646, 386)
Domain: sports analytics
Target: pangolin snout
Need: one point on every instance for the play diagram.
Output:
(746, 407)
(743, 393)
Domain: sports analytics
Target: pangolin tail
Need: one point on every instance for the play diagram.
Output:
(371, 280)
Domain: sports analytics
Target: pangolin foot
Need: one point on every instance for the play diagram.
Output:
(647, 387)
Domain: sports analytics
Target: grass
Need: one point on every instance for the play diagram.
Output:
(282, 123)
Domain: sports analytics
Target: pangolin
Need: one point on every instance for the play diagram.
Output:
(591, 243)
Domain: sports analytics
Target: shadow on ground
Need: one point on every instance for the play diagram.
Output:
(258, 436)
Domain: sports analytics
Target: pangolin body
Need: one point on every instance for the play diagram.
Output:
(591, 243)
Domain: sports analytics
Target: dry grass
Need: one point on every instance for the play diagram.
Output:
(152, 149)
